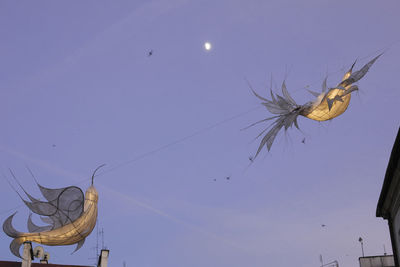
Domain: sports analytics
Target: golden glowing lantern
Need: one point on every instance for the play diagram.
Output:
(71, 217)
(328, 104)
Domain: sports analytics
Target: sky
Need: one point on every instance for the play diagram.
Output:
(78, 89)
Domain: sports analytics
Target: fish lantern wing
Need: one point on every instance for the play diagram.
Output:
(328, 105)
(70, 215)
(63, 206)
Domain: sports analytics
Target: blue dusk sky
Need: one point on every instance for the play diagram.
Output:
(78, 89)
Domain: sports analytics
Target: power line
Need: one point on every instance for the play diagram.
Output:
(163, 147)
(143, 155)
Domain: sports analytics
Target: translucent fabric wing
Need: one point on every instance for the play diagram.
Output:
(63, 205)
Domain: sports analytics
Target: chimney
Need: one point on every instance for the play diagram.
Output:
(103, 258)
(27, 256)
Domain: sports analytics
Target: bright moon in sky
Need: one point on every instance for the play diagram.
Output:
(207, 46)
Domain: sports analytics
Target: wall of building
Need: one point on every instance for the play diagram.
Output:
(377, 261)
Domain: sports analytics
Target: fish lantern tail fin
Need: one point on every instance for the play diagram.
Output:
(283, 121)
(15, 246)
(9, 229)
(286, 110)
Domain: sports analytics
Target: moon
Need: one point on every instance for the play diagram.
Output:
(207, 46)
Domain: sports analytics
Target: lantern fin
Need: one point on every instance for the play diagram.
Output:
(313, 93)
(79, 245)
(15, 246)
(287, 112)
(356, 76)
(324, 87)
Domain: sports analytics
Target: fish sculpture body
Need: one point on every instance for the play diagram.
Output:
(328, 104)
(66, 228)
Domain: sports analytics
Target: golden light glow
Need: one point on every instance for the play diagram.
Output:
(321, 111)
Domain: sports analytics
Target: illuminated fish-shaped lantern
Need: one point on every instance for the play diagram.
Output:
(70, 215)
(327, 105)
